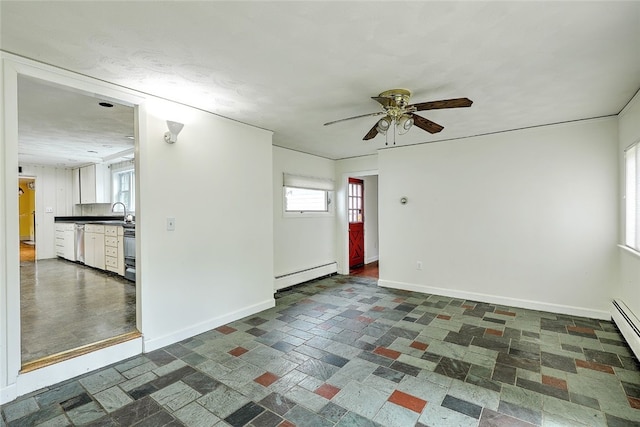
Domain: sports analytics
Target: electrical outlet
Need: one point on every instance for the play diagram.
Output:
(171, 224)
(48, 209)
(419, 265)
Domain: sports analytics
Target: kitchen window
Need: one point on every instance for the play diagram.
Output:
(632, 196)
(306, 195)
(124, 188)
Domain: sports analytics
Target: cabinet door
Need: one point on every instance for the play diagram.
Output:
(70, 245)
(89, 252)
(99, 251)
(88, 184)
(75, 185)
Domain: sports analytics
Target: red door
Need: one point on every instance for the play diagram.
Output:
(355, 211)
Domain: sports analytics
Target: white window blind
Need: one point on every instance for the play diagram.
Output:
(632, 196)
(309, 182)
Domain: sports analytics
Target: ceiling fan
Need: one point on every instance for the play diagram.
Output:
(398, 111)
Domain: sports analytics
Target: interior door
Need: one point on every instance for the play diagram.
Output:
(355, 212)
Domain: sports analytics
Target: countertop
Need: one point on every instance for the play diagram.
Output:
(104, 220)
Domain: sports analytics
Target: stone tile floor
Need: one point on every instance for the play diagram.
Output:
(342, 352)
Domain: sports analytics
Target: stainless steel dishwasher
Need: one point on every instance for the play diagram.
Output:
(80, 243)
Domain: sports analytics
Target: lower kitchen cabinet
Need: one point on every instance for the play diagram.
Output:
(66, 240)
(94, 249)
(114, 249)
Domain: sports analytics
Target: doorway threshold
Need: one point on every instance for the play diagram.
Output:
(79, 351)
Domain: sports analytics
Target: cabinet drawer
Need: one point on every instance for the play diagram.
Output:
(65, 226)
(111, 261)
(94, 228)
(110, 230)
(111, 241)
(109, 251)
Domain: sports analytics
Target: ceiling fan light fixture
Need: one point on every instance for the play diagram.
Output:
(383, 125)
(403, 124)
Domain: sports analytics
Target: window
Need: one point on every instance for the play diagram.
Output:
(304, 194)
(124, 188)
(632, 196)
(305, 200)
(355, 200)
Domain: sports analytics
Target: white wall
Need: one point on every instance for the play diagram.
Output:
(305, 241)
(371, 246)
(53, 190)
(629, 133)
(216, 181)
(354, 167)
(527, 218)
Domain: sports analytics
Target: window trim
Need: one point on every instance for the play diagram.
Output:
(636, 148)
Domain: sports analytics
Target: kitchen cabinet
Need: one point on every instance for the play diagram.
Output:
(65, 240)
(92, 184)
(114, 249)
(94, 254)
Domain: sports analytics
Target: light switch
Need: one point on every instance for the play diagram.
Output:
(48, 210)
(171, 224)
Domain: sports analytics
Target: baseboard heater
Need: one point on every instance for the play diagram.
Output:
(628, 324)
(295, 278)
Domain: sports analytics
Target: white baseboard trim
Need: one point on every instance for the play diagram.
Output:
(495, 299)
(49, 375)
(371, 259)
(191, 331)
(628, 324)
(291, 279)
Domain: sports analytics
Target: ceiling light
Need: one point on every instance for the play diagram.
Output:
(403, 124)
(92, 151)
(383, 125)
(105, 104)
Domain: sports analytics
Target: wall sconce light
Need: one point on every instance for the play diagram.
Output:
(174, 129)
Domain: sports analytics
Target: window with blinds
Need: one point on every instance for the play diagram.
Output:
(306, 194)
(632, 196)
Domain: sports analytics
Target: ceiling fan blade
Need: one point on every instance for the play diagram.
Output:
(355, 117)
(445, 103)
(372, 133)
(426, 124)
(383, 100)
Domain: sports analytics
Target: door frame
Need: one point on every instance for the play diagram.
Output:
(13, 383)
(343, 222)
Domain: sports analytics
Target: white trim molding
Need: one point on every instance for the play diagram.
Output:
(191, 331)
(495, 299)
(49, 375)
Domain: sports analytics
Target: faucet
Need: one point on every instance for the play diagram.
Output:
(124, 208)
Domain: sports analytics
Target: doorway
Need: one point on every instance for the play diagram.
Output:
(27, 219)
(66, 307)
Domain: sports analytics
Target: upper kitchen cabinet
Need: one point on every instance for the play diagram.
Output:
(92, 184)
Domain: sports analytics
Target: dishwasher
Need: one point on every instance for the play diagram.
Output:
(80, 243)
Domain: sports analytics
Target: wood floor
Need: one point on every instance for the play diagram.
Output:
(27, 252)
(367, 270)
(65, 306)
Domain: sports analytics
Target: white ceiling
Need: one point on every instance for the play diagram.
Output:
(68, 128)
(292, 66)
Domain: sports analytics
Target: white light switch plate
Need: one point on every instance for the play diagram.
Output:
(48, 210)
(171, 224)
